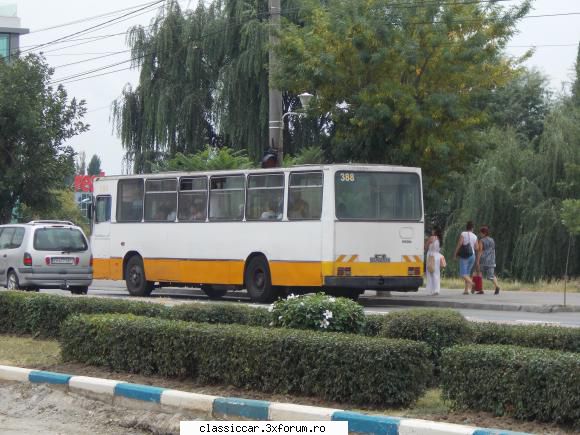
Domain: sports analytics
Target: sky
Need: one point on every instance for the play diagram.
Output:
(555, 37)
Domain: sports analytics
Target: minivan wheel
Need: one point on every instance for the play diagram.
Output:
(80, 290)
(137, 283)
(259, 282)
(12, 281)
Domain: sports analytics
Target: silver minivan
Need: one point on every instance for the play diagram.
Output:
(45, 254)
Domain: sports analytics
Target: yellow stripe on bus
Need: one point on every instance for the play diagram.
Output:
(284, 273)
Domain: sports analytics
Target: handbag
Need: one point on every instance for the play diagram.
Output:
(465, 251)
(431, 264)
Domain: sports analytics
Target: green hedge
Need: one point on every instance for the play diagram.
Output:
(220, 313)
(440, 329)
(332, 366)
(531, 384)
(539, 336)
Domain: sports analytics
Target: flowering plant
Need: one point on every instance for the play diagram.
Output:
(319, 312)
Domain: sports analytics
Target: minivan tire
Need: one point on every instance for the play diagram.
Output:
(81, 290)
(12, 281)
(135, 279)
(259, 281)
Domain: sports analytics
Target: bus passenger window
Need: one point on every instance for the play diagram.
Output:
(193, 199)
(265, 197)
(161, 200)
(103, 209)
(305, 195)
(227, 199)
(130, 200)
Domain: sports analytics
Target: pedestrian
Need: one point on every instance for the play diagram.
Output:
(435, 261)
(486, 256)
(465, 251)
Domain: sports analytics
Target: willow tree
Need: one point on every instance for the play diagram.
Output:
(520, 192)
(401, 80)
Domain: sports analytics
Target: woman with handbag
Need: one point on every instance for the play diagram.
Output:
(435, 261)
(465, 251)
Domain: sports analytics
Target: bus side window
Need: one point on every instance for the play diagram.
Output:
(161, 200)
(103, 209)
(265, 197)
(130, 200)
(193, 199)
(226, 198)
(305, 196)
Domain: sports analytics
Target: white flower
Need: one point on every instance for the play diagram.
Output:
(332, 299)
(301, 304)
(279, 317)
(292, 296)
(327, 314)
(271, 323)
(324, 323)
(271, 308)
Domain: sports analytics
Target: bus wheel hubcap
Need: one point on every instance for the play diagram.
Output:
(259, 278)
(135, 276)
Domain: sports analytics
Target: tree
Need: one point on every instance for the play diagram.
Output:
(94, 167)
(411, 75)
(576, 84)
(81, 163)
(210, 159)
(35, 121)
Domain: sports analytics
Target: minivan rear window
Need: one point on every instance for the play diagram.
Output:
(59, 239)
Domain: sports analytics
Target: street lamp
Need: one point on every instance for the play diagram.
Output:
(274, 157)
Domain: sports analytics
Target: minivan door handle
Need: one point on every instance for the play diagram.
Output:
(5, 255)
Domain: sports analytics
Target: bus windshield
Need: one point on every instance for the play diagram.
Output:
(378, 196)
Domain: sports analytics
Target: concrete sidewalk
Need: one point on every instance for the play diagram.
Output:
(534, 302)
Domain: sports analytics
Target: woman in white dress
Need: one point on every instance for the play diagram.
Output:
(433, 248)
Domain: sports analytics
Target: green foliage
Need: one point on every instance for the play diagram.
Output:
(319, 312)
(225, 313)
(337, 367)
(525, 383)
(35, 121)
(64, 207)
(518, 190)
(210, 159)
(312, 155)
(413, 88)
(538, 336)
(571, 215)
(439, 328)
(576, 84)
(94, 167)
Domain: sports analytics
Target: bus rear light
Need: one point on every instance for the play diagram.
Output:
(27, 260)
(91, 261)
(412, 271)
(344, 271)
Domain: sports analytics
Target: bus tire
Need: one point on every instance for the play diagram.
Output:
(213, 292)
(79, 290)
(135, 279)
(259, 281)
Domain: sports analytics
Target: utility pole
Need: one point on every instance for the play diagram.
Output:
(275, 95)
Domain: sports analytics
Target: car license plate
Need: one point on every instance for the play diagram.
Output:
(62, 260)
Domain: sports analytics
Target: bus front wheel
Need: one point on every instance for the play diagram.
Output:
(258, 280)
(137, 283)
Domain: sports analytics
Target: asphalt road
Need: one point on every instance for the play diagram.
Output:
(172, 296)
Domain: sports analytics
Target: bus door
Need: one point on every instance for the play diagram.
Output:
(101, 237)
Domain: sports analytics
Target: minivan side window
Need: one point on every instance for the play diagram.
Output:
(17, 238)
(103, 209)
(6, 238)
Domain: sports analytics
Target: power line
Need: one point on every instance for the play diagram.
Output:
(91, 59)
(80, 39)
(97, 26)
(97, 75)
(94, 17)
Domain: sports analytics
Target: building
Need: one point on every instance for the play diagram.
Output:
(10, 31)
(84, 191)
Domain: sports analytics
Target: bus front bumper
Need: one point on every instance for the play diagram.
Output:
(388, 283)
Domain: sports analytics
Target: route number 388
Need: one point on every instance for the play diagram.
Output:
(347, 177)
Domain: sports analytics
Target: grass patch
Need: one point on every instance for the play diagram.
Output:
(28, 352)
(555, 286)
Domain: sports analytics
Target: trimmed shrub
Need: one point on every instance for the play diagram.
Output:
(225, 313)
(373, 324)
(338, 367)
(318, 312)
(12, 312)
(438, 328)
(539, 336)
(508, 380)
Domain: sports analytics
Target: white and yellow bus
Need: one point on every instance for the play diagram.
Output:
(338, 228)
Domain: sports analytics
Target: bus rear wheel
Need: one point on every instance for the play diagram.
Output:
(213, 292)
(258, 280)
(135, 279)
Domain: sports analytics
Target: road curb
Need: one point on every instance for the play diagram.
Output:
(382, 302)
(231, 408)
